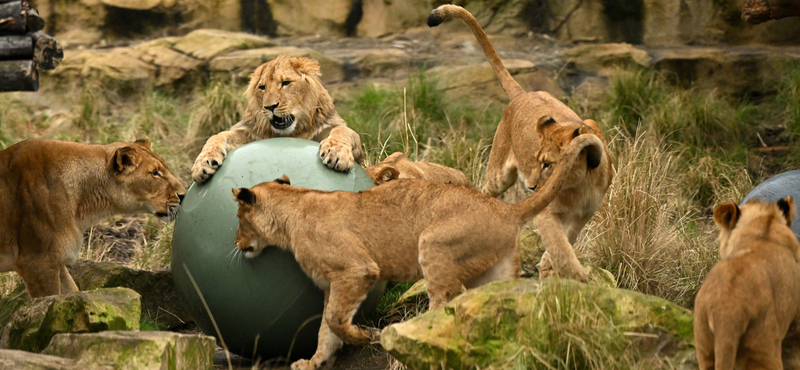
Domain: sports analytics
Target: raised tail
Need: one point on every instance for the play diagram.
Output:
(527, 209)
(448, 11)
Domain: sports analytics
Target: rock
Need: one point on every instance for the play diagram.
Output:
(11, 303)
(381, 17)
(170, 64)
(735, 72)
(489, 326)
(206, 44)
(144, 350)
(33, 325)
(604, 59)
(115, 67)
(160, 302)
(311, 17)
(385, 63)
(241, 64)
(479, 80)
(20, 360)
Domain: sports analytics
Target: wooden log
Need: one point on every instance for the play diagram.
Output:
(758, 11)
(12, 18)
(47, 52)
(18, 75)
(34, 21)
(16, 47)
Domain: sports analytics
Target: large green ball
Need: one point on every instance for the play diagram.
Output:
(268, 298)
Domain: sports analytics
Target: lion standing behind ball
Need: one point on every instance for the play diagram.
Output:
(285, 98)
(751, 296)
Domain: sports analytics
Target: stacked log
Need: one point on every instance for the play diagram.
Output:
(24, 48)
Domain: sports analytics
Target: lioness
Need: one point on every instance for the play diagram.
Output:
(450, 235)
(53, 191)
(285, 99)
(750, 297)
(398, 166)
(533, 133)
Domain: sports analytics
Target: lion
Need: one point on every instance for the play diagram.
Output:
(751, 296)
(533, 133)
(451, 235)
(285, 99)
(398, 166)
(53, 191)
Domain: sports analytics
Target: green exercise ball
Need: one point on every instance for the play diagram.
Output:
(265, 306)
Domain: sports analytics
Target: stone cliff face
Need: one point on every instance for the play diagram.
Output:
(648, 22)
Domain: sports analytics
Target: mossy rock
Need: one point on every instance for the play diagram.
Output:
(11, 303)
(32, 326)
(143, 350)
(505, 322)
(11, 359)
(160, 301)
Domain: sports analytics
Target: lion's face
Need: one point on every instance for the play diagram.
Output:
(146, 183)
(729, 217)
(555, 139)
(258, 226)
(283, 94)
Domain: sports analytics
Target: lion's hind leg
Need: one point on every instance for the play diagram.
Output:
(507, 268)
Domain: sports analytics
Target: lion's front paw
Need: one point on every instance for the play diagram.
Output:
(336, 155)
(570, 270)
(545, 266)
(207, 164)
(310, 365)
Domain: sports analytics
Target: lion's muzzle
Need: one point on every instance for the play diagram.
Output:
(281, 123)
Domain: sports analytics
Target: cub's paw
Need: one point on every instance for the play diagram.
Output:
(545, 266)
(310, 365)
(207, 164)
(570, 270)
(336, 155)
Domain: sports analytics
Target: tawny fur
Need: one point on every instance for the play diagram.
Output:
(403, 230)
(752, 295)
(398, 166)
(534, 130)
(285, 98)
(53, 191)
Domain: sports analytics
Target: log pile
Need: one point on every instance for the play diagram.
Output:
(24, 48)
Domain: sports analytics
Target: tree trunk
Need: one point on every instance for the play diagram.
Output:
(12, 18)
(18, 75)
(16, 47)
(33, 20)
(757, 11)
(47, 53)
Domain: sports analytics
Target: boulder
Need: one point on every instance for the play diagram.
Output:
(604, 59)
(385, 63)
(144, 350)
(207, 43)
(20, 360)
(170, 65)
(479, 80)
(382, 17)
(241, 64)
(492, 325)
(312, 17)
(10, 303)
(160, 302)
(114, 67)
(32, 326)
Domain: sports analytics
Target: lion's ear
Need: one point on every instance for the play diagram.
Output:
(543, 122)
(726, 215)
(283, 180)
(387, 174)
(143, 142)
(126, 160)
(306, 66)
(244, 196)
(787, 206)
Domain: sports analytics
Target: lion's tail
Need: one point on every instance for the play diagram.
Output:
(527, 209)
(448, 11)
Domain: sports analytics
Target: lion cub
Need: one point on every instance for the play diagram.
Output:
(751, 296)
(535, 130)
(53, 191)
(285, 98)
(401, 231)
(398, 166)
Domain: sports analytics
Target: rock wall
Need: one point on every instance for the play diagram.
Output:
(648, 22)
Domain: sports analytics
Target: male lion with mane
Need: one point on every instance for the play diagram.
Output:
(285, 98)
(403, 230)
(54, 190)
(752, 295)
(532, 135)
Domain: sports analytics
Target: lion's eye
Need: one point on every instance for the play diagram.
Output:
(285, 83)
(545, 165)
(262, 87)
(157, 173)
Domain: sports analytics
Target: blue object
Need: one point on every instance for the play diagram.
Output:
(778, 187)
(269, 297)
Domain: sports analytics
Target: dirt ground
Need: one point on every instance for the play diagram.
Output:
(349, 358)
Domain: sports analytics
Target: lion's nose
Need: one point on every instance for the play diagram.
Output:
(534, 187)
(271, 107)
(180, 197)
